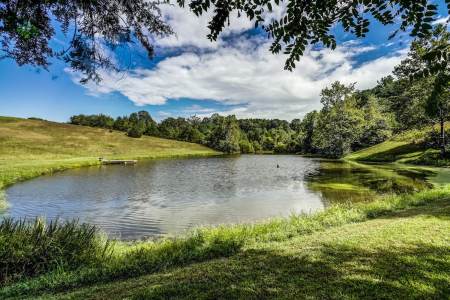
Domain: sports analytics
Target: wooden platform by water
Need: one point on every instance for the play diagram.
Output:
(117, 161)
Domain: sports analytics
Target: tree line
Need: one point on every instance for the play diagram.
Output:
(348, 121)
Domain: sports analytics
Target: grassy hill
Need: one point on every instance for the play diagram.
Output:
(29, 148)
(407, 147)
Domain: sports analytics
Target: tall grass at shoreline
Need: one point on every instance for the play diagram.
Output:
(135, 259)
(31, 248)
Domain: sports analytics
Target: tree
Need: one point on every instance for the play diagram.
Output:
(246, 147)
(27, 29)
(335, 94)
(309, 22)
(437, 54)
(308, 127)
(403, 99)
(192, 134)
(121, 124)
(173, 128)
(225, 136)
(101, 120)
(136, 130)
(151, 127)
(377, 126)
(427, 58)
(339, 124)
(296, 124)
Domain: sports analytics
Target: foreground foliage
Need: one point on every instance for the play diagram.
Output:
(304, 23)
(428, 59)
(94, 29)
(33, 248)
(287, 239)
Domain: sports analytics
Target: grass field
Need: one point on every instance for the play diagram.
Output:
(407, 147)
(30, 148)
(397, 247)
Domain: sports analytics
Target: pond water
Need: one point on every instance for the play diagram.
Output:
(163, 197)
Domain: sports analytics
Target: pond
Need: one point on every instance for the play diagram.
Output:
(161, 197)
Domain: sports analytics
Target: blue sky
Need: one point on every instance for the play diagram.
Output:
(192, 76)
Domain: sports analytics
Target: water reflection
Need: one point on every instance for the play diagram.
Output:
(340, 181)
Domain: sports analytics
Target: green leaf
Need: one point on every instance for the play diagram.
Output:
(426, 26)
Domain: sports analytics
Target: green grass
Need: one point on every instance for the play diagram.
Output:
(338, 186)
(386, 258)
(30, 148)
(32, 248)
(394, 247)
(407, 147)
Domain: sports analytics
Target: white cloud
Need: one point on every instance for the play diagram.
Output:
(242, 72)
(164, 114)
(192, 31)
(198, 109)
(443, 20)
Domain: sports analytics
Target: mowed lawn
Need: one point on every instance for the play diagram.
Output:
(401, 255)
(407, 147)
(29, 148)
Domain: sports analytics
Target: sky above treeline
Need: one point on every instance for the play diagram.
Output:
(191, 75)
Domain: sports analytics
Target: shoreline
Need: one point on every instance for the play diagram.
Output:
(60, 165)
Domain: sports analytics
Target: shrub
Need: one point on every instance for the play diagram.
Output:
(135, 131)
(33, 248)
(433, 139)
(246, 146)
(280, 148)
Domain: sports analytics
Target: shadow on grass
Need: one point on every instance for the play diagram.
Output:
(440, 210)
(413, 271)
(393, 154)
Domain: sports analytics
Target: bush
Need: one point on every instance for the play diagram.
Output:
(280, 148)
(256, 146)
(433, 139)
(246, 146)
(33, 248)
(135, 131)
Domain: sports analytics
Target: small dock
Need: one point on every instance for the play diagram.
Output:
(117, 161)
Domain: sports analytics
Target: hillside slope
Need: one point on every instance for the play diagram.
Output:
(29, 148)
(407, 147)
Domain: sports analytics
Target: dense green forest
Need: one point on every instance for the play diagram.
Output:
(348, 121)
